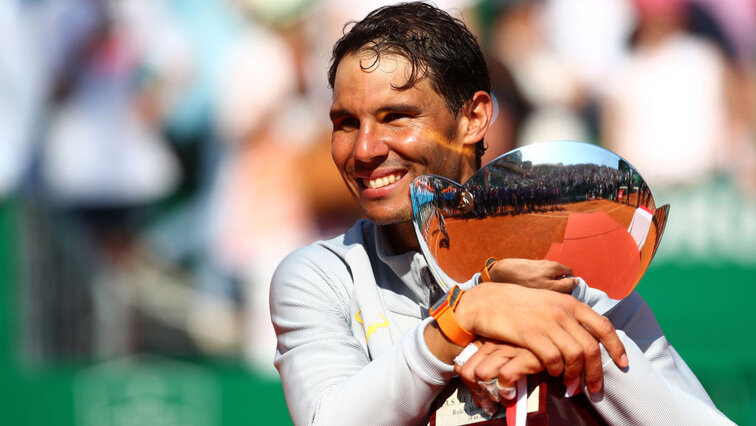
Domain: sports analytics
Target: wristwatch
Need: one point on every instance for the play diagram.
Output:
(485, 273)
(443, 312)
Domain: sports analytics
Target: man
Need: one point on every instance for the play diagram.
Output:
(356, 344)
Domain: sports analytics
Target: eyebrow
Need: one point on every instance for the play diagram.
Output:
(338, 113)
(400, 108)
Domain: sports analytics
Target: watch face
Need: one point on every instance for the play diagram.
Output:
(455, 293)
(445, 302)
(490, 262)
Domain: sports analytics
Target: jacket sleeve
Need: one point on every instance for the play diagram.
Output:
(327, 377)
(657, 387)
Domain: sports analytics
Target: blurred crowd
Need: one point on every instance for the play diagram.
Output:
(164, 155)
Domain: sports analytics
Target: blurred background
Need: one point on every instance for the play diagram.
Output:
(158, 158)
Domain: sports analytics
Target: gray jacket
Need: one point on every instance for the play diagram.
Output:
(350, 318)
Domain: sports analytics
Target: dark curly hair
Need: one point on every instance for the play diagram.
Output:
(436, 44)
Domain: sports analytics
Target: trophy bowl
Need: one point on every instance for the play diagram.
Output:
(571, 202)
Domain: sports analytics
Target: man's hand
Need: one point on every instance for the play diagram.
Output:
(501, 365)
(561, 332)
(544, 274)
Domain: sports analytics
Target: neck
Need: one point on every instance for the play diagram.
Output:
(402, 237)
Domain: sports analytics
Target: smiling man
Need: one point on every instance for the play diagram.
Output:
(356, 343)
(384, 137)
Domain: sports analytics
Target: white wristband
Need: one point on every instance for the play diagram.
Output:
(465, 355)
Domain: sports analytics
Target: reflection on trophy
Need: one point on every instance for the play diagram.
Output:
(465, 201)
(570, 202)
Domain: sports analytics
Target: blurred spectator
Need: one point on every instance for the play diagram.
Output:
(590, 36)
(103, 163)
(549, 84)
(164, 155)
(208, 314)
(259, 212)
(736, 21)
(668, 109)
(24, 78)
(180, 148)
(104, 147)
(731, 24)
(510, 111)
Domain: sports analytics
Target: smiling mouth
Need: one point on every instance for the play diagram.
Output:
(381, 181)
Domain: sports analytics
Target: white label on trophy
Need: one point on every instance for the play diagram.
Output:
(459, 408)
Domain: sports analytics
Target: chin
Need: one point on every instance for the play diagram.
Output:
(389, 218)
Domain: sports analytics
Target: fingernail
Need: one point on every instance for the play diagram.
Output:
(623, 361)
(490, 386)
(507, 393)
(572, 388)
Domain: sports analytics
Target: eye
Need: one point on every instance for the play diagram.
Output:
(346, 123)
(394, 116)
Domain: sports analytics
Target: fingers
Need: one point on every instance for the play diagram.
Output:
(467, 372)
(562, 333)
(545, 274)
(481, 371)
(591, 364)
(561, 278)
(545, 348)
(482, 397)
(560, 270)
(569, 341)
(576, 342)
(601, 328)
(576, 348)
(487, 369)
(525, 363)
(564, 285)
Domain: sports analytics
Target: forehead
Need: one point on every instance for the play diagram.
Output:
(364, 77)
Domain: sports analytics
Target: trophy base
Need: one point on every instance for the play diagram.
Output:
(546, 405)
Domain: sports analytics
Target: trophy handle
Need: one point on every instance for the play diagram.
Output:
(660, 221)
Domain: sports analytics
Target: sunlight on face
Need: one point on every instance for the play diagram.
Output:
(384, 137)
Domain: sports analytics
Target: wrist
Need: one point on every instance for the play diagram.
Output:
(439, 345)
(444, 312)
(485, 272)
(466, 311)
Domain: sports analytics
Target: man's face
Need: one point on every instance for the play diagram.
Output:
(383, 138)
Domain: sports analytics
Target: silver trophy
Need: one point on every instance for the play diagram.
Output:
(571, 202)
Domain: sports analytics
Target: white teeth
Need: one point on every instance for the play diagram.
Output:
(381, 182)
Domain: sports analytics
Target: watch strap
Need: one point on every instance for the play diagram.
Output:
(485, 274)
(443, 312)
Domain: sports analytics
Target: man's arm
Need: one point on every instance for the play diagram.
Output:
(327, 376)
(658, 388)
(561, 331)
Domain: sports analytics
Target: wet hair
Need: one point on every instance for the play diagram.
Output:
(436, 45)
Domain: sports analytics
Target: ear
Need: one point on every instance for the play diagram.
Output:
(477, 117)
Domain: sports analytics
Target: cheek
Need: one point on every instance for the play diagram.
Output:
(413, 143)
(340, 152)
(426, 147)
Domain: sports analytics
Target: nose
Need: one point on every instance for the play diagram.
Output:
(370, 144)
